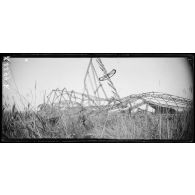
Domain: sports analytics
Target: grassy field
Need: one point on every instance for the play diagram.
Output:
(83, 123)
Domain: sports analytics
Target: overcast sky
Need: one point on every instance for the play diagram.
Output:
(133, 75)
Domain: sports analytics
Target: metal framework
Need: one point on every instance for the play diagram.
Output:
(95, 95)
(158, 101)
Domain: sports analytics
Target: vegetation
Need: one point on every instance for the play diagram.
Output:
(85, 123)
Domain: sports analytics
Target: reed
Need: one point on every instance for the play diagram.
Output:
(83, 122)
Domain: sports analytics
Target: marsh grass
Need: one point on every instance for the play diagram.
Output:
(101, 125)
(81, 123)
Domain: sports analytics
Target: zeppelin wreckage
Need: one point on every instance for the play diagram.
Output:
(100, 102)
(95, 97)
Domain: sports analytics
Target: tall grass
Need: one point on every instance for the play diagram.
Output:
(79, 122)
(97, 124)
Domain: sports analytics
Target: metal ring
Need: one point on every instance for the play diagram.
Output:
(109, 75)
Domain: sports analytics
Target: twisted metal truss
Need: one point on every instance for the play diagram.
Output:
(94, 84)
(95, 96)
(64, 98)
(158, 100)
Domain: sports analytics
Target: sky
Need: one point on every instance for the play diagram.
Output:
(133, 75)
